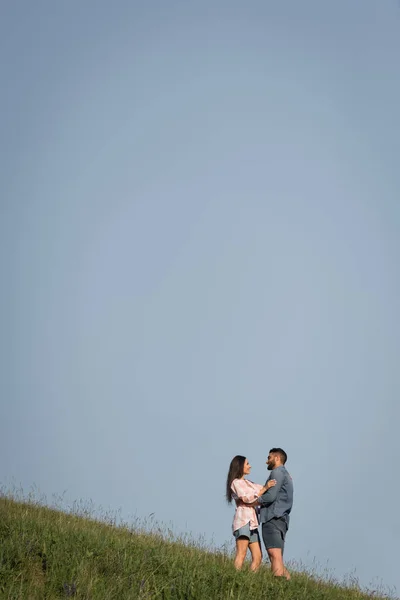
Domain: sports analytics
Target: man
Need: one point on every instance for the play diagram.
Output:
(276, 505)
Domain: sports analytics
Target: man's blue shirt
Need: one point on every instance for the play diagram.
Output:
(278, 500)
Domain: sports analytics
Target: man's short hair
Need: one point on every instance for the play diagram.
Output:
(281, 453)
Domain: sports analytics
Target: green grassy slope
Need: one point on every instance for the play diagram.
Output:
(46, 554)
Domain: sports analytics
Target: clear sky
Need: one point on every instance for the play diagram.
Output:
(200, 212)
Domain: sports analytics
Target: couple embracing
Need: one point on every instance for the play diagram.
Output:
(269, 504)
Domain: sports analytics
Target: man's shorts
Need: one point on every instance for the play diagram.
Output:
(274, 533)
(245, 532)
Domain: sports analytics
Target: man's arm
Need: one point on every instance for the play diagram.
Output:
(271, 494)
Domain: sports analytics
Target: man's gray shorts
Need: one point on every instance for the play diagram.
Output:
(274, 533)
(245, 532)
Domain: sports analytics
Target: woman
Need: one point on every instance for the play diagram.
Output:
(245, 522)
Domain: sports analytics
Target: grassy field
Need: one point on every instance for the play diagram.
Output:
(46, 553)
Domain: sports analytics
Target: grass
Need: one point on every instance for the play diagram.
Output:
(47, 554)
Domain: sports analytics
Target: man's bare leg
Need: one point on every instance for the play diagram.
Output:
(277, 566)
(286, 573)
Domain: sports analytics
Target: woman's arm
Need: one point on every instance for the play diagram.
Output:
(243, 491)
(270, 483)
(246, 496)
(268, 498)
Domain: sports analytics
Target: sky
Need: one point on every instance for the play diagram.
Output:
(199, 248)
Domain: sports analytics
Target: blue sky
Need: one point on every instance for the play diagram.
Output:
(199, 253)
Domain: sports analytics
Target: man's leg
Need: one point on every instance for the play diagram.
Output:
(274, 541)
(275, 556)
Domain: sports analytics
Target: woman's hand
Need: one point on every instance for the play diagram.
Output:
(270, 483)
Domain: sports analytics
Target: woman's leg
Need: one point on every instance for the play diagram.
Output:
(241, 549)
(256, 555)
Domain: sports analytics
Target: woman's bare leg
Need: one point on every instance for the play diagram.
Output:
(241, 550)
(256, 556)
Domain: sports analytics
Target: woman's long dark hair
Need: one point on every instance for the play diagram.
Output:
(235, 472)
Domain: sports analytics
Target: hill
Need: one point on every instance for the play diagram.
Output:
(47, 554)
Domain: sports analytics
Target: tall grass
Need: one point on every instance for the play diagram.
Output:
(46, 553)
